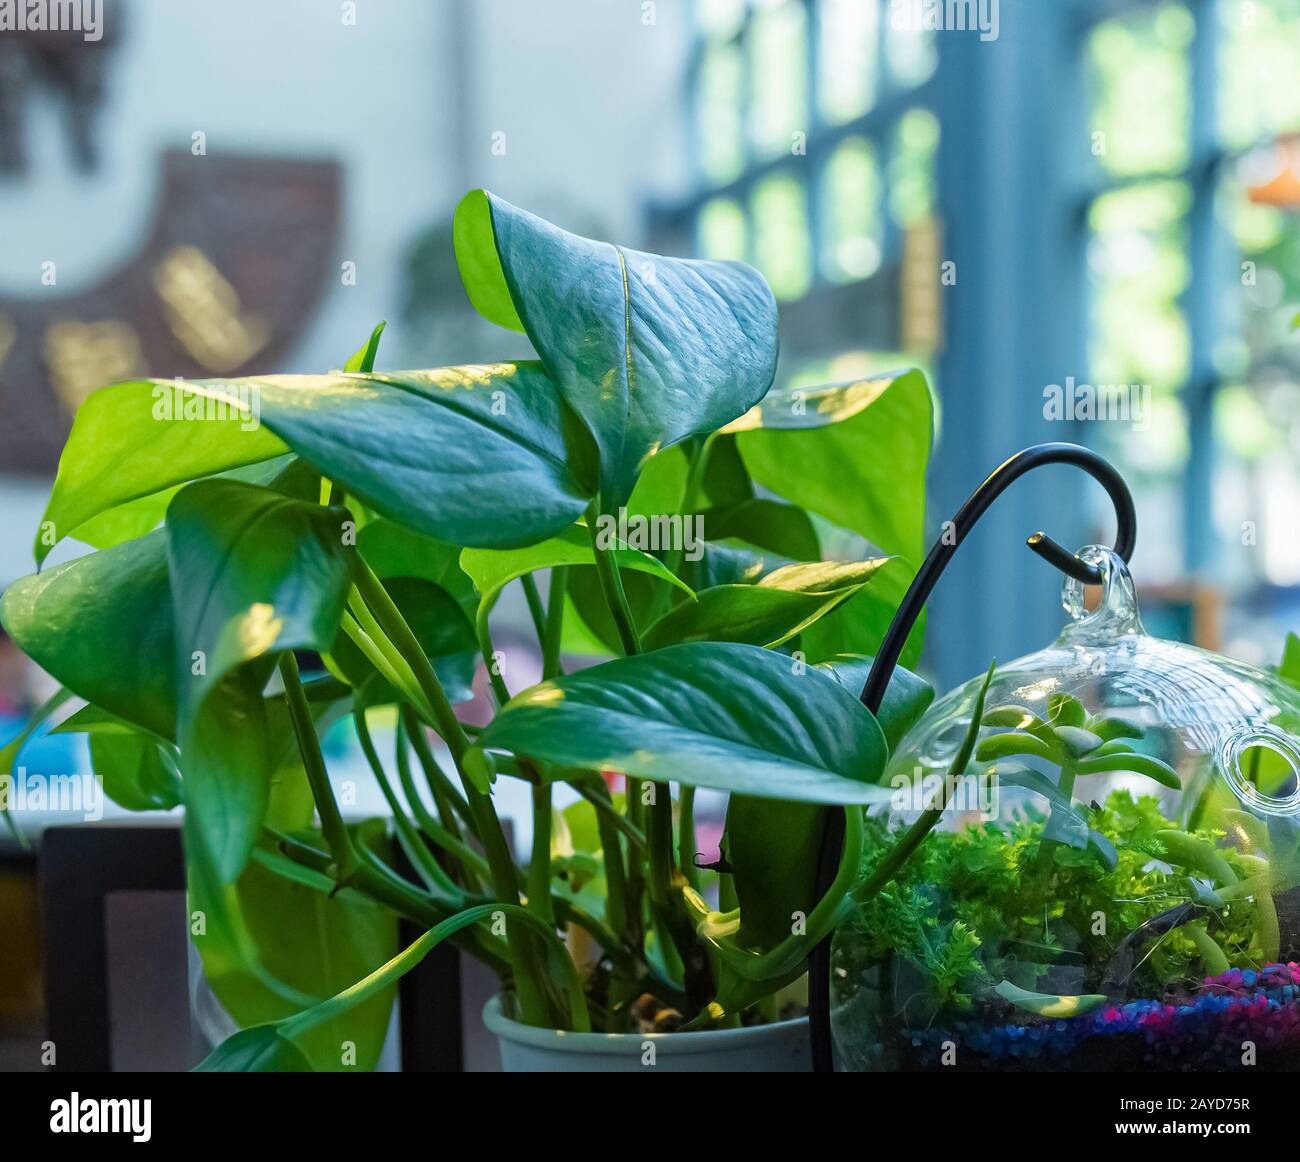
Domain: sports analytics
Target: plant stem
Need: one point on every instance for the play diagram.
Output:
(1047, 848)
(389, 619)
(611, 588)
(536, 610)
(529, 983)
(435, 878)
(554, 630)
(599, 798)
(926, 822)
(757, 975)
(899, 854)
(410, 906)
(608, 823)
(451, 803)
(353, 866)
(686, 845)
(685, 507)
(388, 974)
(396, 672)
(659, 827)
(447, 838)
(484, 630)
(539, 865)
(331, 819)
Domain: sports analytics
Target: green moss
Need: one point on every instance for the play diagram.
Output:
(976, 905)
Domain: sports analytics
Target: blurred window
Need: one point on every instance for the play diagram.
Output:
(815, 139)
(1193, 254)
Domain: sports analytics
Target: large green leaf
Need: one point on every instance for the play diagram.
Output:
(134, 444)
(470, 455)
(132, 441)
(102, 625)
(706, 714)
(125, 522)
(647, 350)
(782, 604)
(252, 573)
(854, 452)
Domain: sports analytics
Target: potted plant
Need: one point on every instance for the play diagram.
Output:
(657, 501)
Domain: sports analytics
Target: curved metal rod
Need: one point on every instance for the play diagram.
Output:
(891, 647)
(976, 505)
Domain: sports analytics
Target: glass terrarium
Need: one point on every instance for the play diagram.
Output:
(1109, 884)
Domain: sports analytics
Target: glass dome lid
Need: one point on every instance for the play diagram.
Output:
(1109, 883)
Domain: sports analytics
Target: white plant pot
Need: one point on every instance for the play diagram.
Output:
(782, 1047)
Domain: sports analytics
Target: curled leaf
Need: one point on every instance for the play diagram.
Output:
(1138, 764)
(1049, 1004)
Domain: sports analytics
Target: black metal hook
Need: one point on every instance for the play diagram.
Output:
(891, 647)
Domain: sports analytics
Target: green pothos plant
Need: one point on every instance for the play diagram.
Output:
(278, 554)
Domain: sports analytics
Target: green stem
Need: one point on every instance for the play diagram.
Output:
(389, 620)
(435, 878)
(899, 854)
(1047, 848)
(597, 794)
(554, 631)
(388, 974)
(497, 681)
(446, 838)
(618, 903)
(393, 669)
(536, 610)
(611, 588)
(611, 585)
(779, 962)
(686, 507)
(529, 983)
(686, 845)
(410, 905)
(451, 803)
(354, 866)
(925, 823)
(539, 865)
(332, 826)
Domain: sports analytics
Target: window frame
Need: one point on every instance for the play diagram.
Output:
(877, 126)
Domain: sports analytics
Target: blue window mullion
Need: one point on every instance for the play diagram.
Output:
(1203, 316)
(814, 158)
